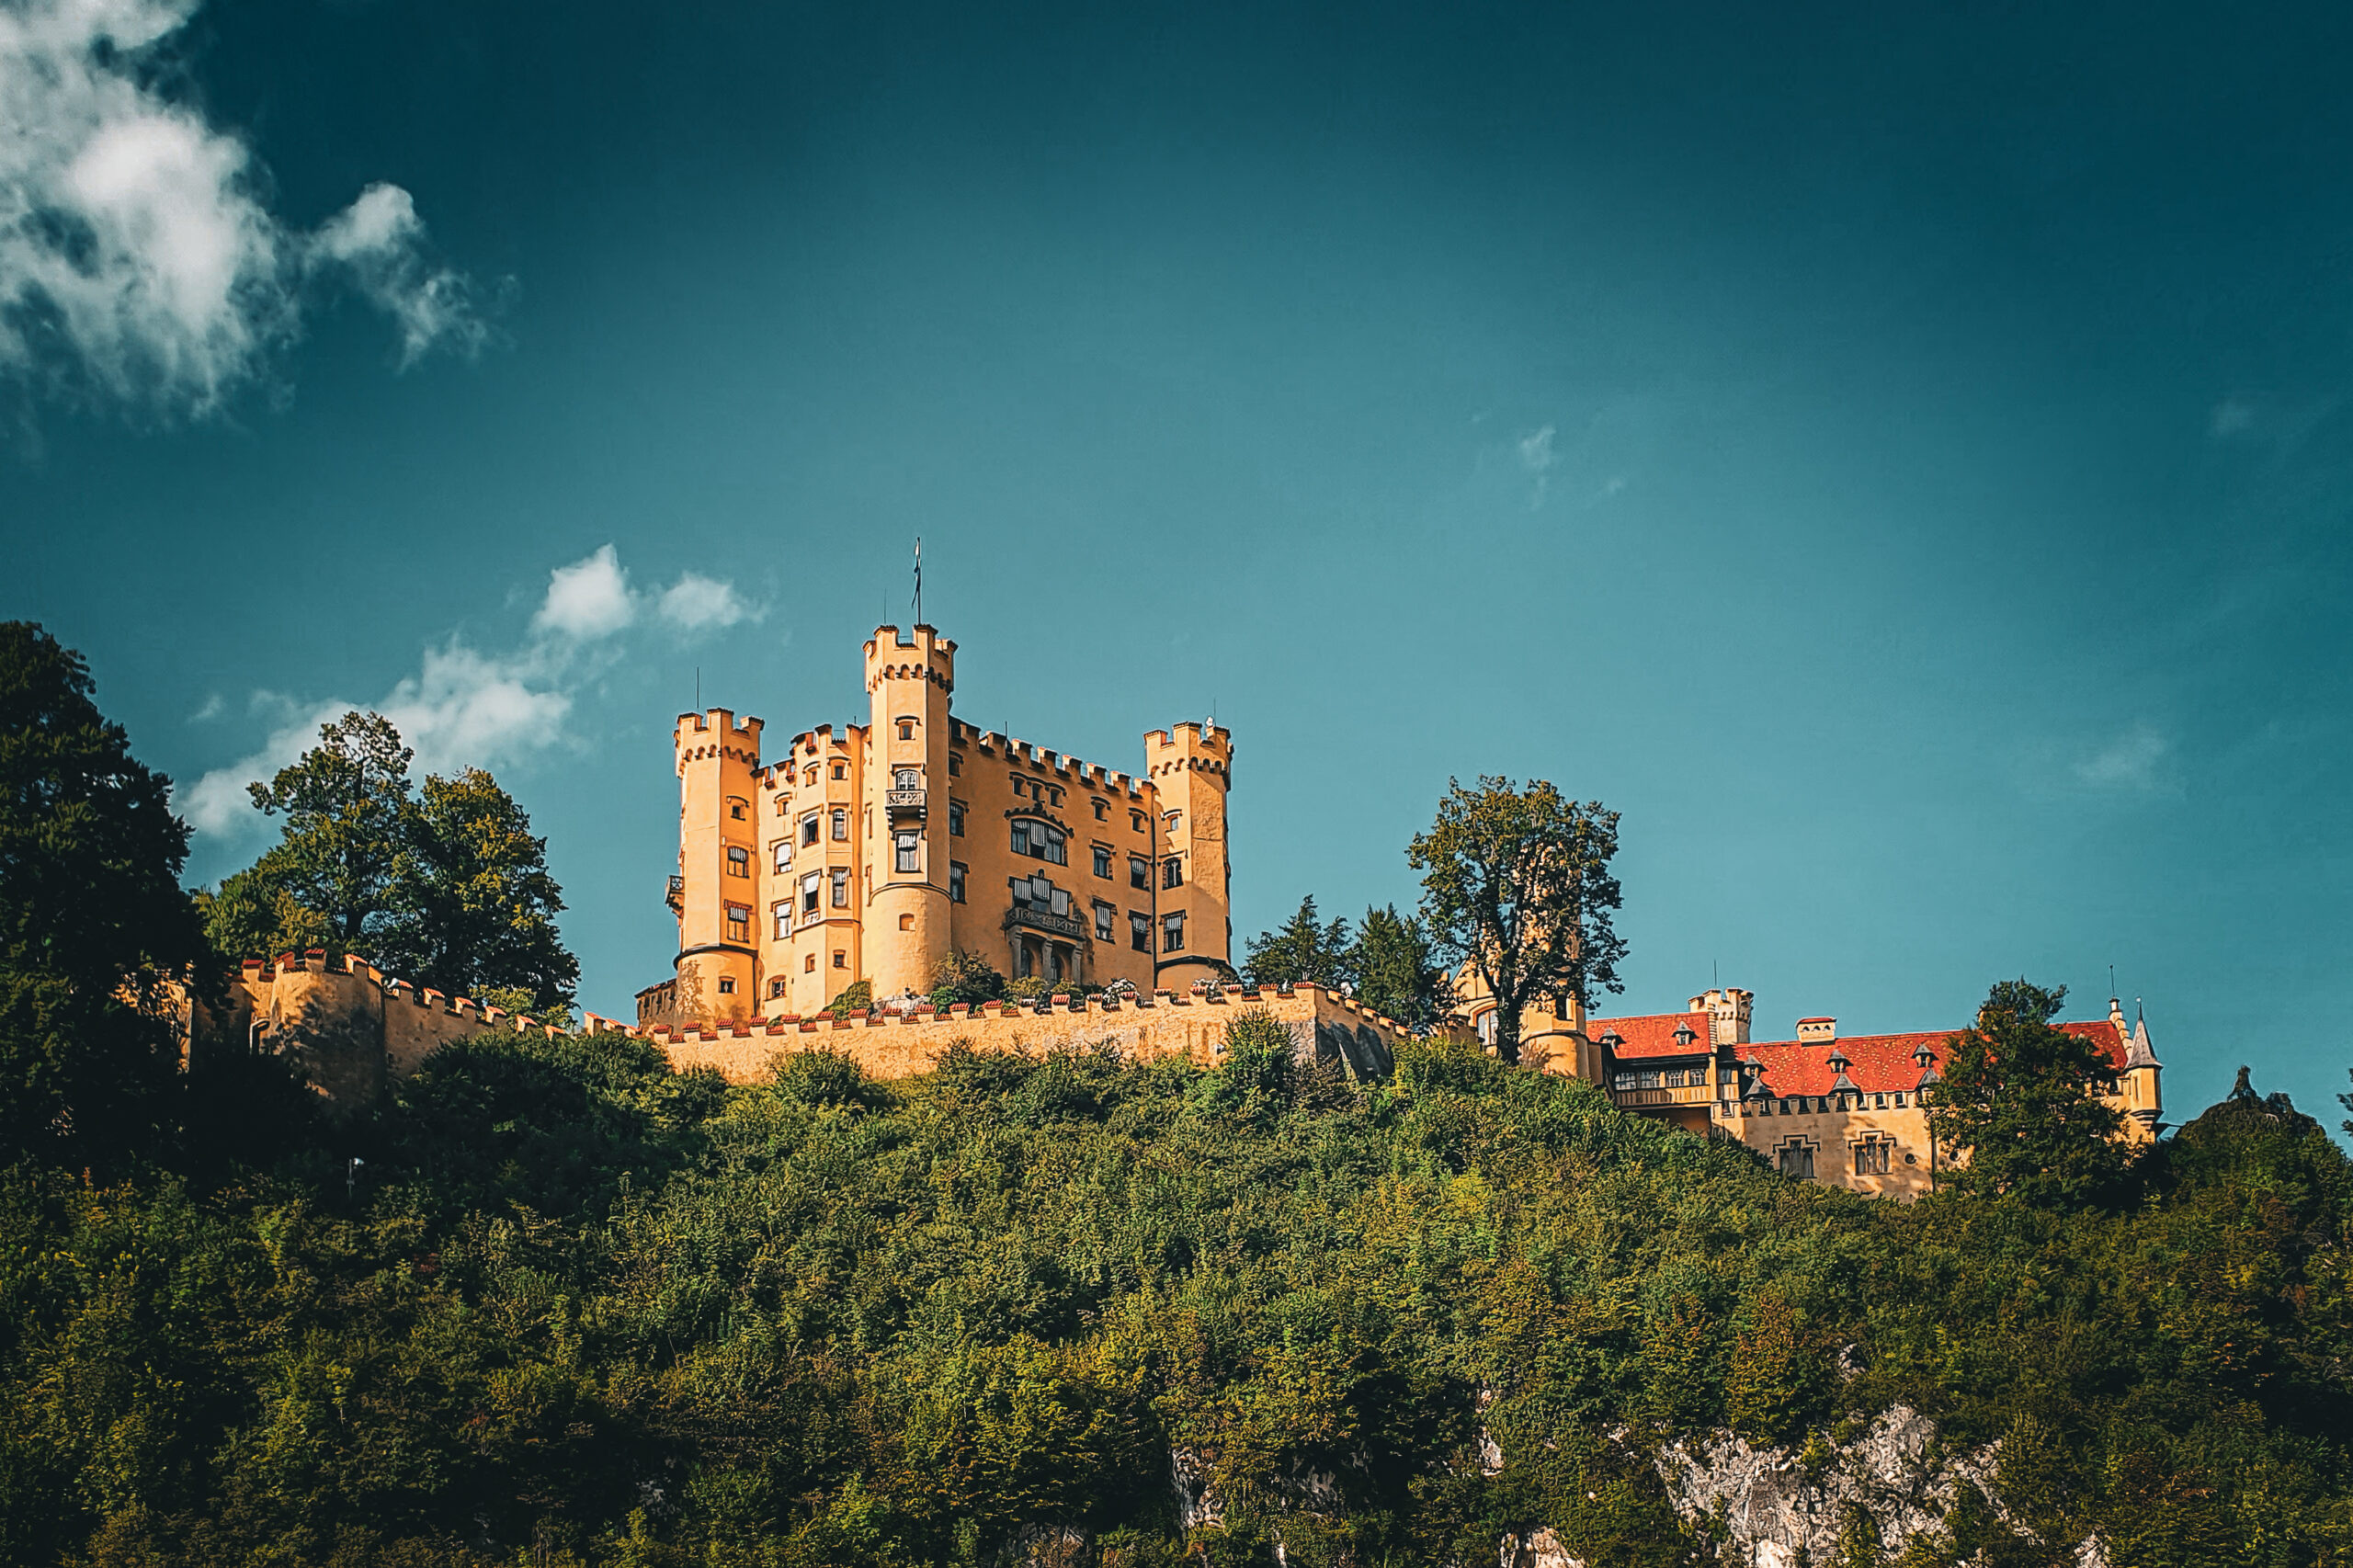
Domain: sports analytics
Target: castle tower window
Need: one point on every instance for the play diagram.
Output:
(1139, 871)
(841, 887)
(841, 959)
(908, 845)
(783, 854)
(776, 987)
(841, 822)
(1135, 821)
(809, 828)
(1055, 796)
(1172, 933)
(956, 819)
(739, 922)
(841, 770)
(739, 860)
(1102, 809)
(738, 810)
(955, 765)
(809, 778)
(906, 778)
(955, 882)
(781, 802)
(809, 964)
(1139, 931)
(780, 915)
(1170, 818)
(1103, 861)
(1172, 873)
(1103, 918)
(808, 892)
(907, 731)
(726, 985)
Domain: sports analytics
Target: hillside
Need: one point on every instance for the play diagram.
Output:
(579, 1309)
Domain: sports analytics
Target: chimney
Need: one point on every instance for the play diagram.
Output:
(1817, 1031)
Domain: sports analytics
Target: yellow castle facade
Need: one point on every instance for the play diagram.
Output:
(874, 853)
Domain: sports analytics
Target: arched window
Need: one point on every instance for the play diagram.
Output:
(739, 860)
(906, 778)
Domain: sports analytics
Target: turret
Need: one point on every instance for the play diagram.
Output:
(716, 893)
(1191, 769)
(909, 676)
(1728, 1011)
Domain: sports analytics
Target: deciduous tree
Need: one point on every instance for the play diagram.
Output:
(344, 802)
(2018, 1103)
(1517, 883)
(472, 904)
(93, 924)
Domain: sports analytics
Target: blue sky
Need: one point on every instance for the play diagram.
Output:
(1898, 455)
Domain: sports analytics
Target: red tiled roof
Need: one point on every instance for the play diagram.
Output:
(1881, 1062)
(1654, 1034)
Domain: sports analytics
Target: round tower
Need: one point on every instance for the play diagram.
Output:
(1191, 769)
(716, 893)
(909, 676)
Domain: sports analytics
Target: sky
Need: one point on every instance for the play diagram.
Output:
(1898, 455)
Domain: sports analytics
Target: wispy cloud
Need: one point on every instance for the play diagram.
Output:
(212, 708)
(2133, 761)
(1536, 455)
(137, 260)
(466, 707)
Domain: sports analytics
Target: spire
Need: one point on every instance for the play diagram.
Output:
(2139, 1052)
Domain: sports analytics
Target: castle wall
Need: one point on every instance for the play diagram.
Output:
(1181, 1024)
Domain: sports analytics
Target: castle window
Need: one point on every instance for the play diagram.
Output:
(956, 818)
(1170, 818)
(955, 765)
(841, 822)
(955, 882)
(906, 922)
(841, 959)
(841, 770)
(907, 729)
(727, 986)
(1139, 871)
(1172, 873)
(1104, 914)
(1103, 861)
(1102, 809)
(808, 892)
(1020, 787)
(809, 828)
(1136, 820)
(1873, 1156)
(1054, 795)
(1172, 933)
(739, 922)
(841, 887)
(1139, 931)
(776, 987)
(1797, 1160)
(781, 802)
(1879, 1102)
(908, 845)
(906, 778)
(781, 916)
(739, 860)
(1899, 1100)
(1040, 840)
(809, 964)
(738, 808)
(809, 778)
(783, 854)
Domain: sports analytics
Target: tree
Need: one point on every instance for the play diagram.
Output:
(2018, 1102)
(344, 802)
(94, 927)
(471, 904)
(1517, 883)
(965, 977)
(1303, 949)
(1396, 972)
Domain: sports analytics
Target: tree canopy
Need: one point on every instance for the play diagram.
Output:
(1303, 948)
(2017, 1100)
(1516, 882)
(93, 921)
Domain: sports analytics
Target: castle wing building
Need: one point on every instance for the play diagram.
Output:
(872, 853)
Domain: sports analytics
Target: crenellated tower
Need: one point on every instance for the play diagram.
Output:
(910, 675)
(716, 891)
(1191, 770)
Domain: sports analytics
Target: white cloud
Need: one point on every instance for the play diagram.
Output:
(1536, 453)
(2130, 761)
(589, 598)
(212, 708)
(697, 603)
(464, 707)
(137, 261)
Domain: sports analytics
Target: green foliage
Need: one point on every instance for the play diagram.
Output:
(93, 922)
(583, 1311)
(857, 996)
(967, 978)
(443, 885)
(1397, 972)
(1517, 883)
(1303, 949)
(2018, 1101)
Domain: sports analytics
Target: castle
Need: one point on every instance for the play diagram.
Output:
(871, 855)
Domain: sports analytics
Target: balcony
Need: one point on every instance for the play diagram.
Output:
(904, 803)
(1648, 1099)
(675, 895)
(1045, 920)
